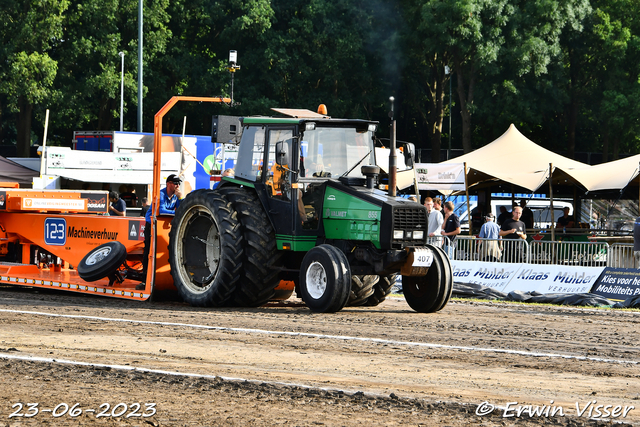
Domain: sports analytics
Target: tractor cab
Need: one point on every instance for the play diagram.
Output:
(290, 160)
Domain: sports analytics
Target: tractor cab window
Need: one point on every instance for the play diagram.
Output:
(331, 152)
(250, 153)
(279, 176)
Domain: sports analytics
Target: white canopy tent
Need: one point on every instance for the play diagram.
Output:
(614, 175)
(515, 159)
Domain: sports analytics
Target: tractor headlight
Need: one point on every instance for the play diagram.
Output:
(418, 234)
(398, 234)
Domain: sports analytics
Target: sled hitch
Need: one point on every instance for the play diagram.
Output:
(419, 259)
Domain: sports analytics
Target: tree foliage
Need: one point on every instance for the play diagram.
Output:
(566, 72)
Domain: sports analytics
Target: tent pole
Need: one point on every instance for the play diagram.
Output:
(553, 225)
(44, 145)
(466, 190)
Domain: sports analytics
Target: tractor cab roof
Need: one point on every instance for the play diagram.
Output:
(301, 116)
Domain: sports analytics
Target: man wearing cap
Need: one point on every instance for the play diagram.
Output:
(170, 197)
(489, 249)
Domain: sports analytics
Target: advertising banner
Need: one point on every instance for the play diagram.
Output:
(547, 279)
(618, 284)
(495, 275)
(440, 177)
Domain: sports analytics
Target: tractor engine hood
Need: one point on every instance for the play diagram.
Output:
(358, 213)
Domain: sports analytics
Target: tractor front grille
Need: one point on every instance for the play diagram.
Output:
(410, 219)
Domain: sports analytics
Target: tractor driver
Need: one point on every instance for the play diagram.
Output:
(170, 198)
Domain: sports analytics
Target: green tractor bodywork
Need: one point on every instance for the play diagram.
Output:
(304, 207)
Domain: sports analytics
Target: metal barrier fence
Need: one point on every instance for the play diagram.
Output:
(493, 250)
(587, 254)
(621, 255)
(439, 241)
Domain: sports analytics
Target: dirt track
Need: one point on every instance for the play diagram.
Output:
(366, 366)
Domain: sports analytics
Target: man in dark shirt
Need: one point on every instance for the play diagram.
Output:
(477, 217)
(451, 224)
(513, 229)
(504, 215)
(527, 214)
(130, 197)
(565, 221)
(118, 207)
(450, 228)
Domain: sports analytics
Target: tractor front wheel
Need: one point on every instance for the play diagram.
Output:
(430, 293)
(325, 279)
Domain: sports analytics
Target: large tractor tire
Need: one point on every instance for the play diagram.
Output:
(361, 289)
(381, 290)
(260, 274)
(205, 249)
(325, 279)
(430, 293)
(447, 278)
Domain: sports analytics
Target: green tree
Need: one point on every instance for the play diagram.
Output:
(90, 64)
(464, 35)
(323, 51)
(196, 59)
(30, 31)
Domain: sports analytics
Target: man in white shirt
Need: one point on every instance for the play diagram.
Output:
(435, 223)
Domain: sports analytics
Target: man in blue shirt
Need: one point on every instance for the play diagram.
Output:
(489, 249)
(170, 197)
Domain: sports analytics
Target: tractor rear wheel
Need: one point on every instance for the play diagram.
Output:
(260, 274)
(361, 289)
(325, 279)
(205, 249)
(381, 290)
(430, 293)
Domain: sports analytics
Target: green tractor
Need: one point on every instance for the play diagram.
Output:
(305, 205)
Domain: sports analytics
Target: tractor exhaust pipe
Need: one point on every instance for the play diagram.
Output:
(393, 160)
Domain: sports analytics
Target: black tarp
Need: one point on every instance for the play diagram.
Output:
(631, 302)
(472, 290)
(13, 172)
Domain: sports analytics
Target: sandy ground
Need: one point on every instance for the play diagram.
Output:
(168, 364)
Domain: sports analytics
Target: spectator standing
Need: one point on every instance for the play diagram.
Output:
(490, 249)
(566, 220)
(435, 219)
(451, 227)
(117, 207)
(145, 206)
(437, 205)
(527, 214)
(130, 197)
(477, 216)
(170, 197)
(513, 229)
(504, 215)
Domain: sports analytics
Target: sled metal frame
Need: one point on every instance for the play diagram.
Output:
(155, 197)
